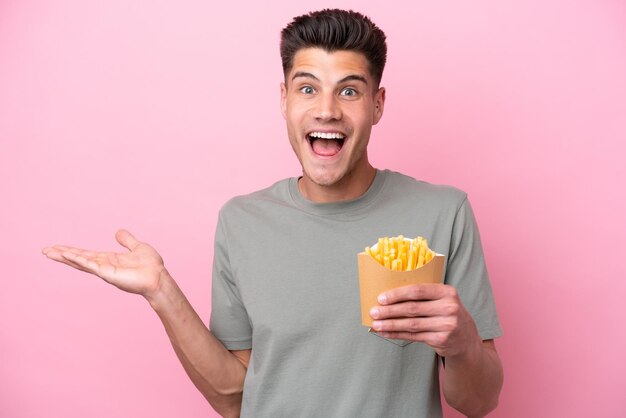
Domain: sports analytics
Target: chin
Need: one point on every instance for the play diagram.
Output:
(325, 179)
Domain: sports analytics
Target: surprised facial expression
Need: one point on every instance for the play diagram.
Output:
(330, 102)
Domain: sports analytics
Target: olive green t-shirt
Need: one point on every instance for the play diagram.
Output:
(285, 284)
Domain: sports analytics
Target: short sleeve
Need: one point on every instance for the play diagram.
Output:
(229, 318)
(467, 272)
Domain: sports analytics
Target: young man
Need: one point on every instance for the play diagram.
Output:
(286, 338)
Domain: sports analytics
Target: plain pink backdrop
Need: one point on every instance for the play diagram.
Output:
(150, 115)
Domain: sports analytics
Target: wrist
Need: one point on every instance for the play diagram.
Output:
(157, 295)
(470, 354)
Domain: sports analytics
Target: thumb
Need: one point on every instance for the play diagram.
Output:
(126, 239)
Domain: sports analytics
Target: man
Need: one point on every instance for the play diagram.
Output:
(286, 338)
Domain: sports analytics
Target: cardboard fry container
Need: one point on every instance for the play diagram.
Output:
(375, 279)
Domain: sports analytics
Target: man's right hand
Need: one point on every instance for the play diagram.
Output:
(140, 270)
(218, 373)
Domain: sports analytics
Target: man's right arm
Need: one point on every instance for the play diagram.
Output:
(216, 372)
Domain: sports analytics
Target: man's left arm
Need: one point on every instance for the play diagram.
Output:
(433, 314)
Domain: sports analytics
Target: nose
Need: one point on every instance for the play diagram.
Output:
(328, 108)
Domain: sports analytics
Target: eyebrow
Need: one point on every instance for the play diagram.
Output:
(304, 74)
(354, 77)
(350, 77)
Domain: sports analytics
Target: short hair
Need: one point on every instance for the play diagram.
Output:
(335, 30)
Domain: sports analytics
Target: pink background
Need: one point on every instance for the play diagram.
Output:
(150, 115)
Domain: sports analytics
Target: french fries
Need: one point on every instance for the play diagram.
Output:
(401, 254)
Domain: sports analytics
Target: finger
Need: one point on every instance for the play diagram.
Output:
(47, 250)
(52, 254)
(430, 338)
(62, 248)
(56, 253)
(88, 264)
(76, 266)
(126, 239)
(87, 253)
(428, 291)
(57, 256)
(57, 248)
(433, 323)
(406, 310)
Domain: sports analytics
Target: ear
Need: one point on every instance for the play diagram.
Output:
(379, 103)
(283, 99)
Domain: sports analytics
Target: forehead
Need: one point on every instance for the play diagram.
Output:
(330, 66)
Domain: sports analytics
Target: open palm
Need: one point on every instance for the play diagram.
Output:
(136, 271)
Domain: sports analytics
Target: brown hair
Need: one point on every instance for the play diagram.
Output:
(335, 30)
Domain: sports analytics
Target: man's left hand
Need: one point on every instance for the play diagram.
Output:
(428, 313)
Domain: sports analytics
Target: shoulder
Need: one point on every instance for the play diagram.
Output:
(402, 185)
(276, 194)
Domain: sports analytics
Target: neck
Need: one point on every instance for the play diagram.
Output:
(353, 185)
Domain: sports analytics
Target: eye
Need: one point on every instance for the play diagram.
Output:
(348, 91)
(307, 90)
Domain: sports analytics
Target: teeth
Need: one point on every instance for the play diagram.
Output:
(326, 135)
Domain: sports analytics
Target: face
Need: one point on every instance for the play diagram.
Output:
(330, 102)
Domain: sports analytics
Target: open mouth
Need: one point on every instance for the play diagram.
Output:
(326, 144)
